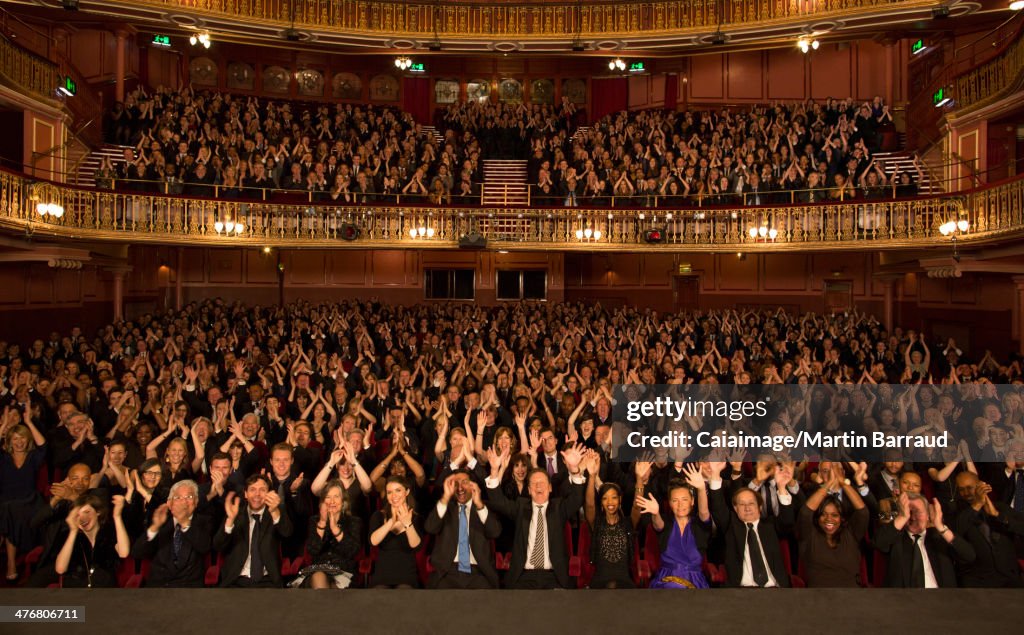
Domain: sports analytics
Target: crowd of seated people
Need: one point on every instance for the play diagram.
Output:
(212, 144)
(205, 143)
(455, 446)
(785, 153)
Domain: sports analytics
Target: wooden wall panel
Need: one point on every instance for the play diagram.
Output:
(736, 274)
(347, 268)
(260, 268)
(785, 272)
(831, 72)
(745, 75)
(194, 266)
(658, 270)
(786, 71)
(707, 77)
(388, 268)
(12, 283)
(871, 68)
(225, 266)
(305, 267)
(626, 270)
(40, 284)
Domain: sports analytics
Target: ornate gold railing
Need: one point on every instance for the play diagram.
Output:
(26, 72)
(991, 212)
(991, 80)
(553, 20)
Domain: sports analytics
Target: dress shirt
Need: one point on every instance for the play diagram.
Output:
(442, 509)
(248, 559)
(538, 512)
(929, 575)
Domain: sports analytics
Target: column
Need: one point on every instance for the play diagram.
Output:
(179, 275)
(1017, 326)
(888, 287)
(122, 40)
(118, 275)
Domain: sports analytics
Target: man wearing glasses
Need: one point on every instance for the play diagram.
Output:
(176, 549)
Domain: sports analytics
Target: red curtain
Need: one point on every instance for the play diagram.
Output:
(416, 98)
(671, 91)
(609, 95)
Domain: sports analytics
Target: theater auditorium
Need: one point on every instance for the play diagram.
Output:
(361, 314)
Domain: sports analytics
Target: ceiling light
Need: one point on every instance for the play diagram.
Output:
(1016, 5)
(617, 64)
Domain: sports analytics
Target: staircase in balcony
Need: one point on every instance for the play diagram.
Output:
(505, 184)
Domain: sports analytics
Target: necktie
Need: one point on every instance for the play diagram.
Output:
(756, 556)
(178, 540)
(551, 466)
(537, 555)
(464, 566)
(917, 565)
(769, 507)
(1018, 494)
(256, 561)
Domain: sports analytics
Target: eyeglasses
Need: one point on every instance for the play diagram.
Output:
(153, 473)
(183, 498)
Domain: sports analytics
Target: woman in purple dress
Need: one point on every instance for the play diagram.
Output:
(682, 535)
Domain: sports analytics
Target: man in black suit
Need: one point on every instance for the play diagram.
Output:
(921, 548)
(252, 539)
(991, 528)
(177, 549)
(462, 555)
(540, 557)
(549, 460)
(753, 557)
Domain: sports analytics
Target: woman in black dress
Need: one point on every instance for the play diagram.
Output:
(611, 546)
(93, 548)
(22, 453)
(333, 542)
(395, 532)
(830, 540)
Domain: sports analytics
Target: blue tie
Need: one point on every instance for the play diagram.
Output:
(463, 540)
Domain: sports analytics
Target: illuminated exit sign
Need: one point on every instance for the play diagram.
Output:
(162, 40)
(917, 47)
(636, 67)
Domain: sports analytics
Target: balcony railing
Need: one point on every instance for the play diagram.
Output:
(556, 20)
(26, 71)
(993, 212)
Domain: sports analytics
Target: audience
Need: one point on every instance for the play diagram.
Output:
(151, 433)
(205, 143)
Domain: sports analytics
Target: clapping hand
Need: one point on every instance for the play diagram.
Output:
(231, 505)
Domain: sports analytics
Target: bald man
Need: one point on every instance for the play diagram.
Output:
(991, 528)
(49, 521)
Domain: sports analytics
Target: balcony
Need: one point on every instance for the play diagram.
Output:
(991, 213)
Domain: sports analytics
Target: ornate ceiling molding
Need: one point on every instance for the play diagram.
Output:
(667, 25)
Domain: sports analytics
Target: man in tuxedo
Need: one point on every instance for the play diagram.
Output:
(177, 549)
(251, 536)
(549, 460)
(753, 557)
(921, 548)
(885, 484)
(991, 528)
(292, 487)
(764, 484)
(462, 555)
(888, 508)
(540, 557)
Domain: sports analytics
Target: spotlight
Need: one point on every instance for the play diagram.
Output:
(577, 47)
(70, 5)
(1016, 5)
(349, 232)
(435, 46)
(717, 38)
(654, 236)
(291, 35)
(940, 13)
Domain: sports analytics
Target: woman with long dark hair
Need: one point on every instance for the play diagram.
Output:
(611, 546)
(395, 531)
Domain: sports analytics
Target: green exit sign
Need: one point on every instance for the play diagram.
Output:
(417, 67)
(917, 47)
(161, 40)
(636, 67)
(941, 98)
(67, 86)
